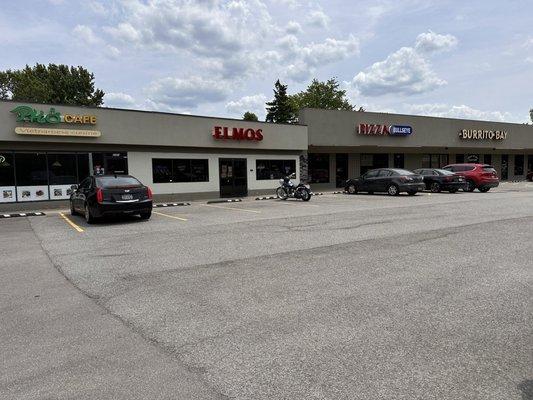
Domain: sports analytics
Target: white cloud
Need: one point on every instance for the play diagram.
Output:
(318, 19)
(529, 60)
(178, 93)
(85, 34)
(255, 103)
(293, 28)
(404, 71)
(431, 42)
(303, 60)
(407, 70)
(118, 99)
(458, 111)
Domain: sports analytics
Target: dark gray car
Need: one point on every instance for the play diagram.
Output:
(389, 180)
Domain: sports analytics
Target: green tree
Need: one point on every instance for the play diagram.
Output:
(55, 84)
(280, 110)
(250, 116)
(325, 95)
(531, 114)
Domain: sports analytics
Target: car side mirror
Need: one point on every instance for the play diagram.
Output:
(74, 188)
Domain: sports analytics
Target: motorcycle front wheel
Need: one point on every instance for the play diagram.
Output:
(282, 193)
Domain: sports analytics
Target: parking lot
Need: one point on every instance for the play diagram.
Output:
(343, 297)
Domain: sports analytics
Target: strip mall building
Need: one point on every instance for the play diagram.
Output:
(44, 149)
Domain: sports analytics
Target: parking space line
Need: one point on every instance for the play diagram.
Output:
(169, 216)
(69, 221)
(232, 208)
(298, 204)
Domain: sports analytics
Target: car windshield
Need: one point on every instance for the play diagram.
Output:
(403, 172)
(444, 172)
(106, 182)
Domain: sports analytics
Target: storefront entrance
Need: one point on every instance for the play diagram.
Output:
(233, 177)
(341, 176)
(110, 163)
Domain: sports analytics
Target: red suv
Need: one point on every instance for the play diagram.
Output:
(480, 176)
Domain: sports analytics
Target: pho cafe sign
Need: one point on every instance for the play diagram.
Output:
(47, 121)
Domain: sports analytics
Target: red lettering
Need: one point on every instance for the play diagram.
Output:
(225, 129)
(259, 134)
(217, 132)
(386, 130)
(237, 133)
(249, 134)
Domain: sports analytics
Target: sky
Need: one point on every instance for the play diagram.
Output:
(459, 59)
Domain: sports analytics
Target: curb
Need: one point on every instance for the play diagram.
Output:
(343, 192)
(317, 194)
(28, 214)
(267, 198)
(224, 201)
(171, 205)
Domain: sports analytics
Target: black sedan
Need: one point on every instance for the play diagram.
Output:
(99, 196)
(437, 179)
(389, 180)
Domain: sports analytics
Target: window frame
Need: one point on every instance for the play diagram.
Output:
(188, 162)
(268, 168)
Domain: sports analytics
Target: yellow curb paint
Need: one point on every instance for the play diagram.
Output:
(231, 208)
(169, 216)
(68, 220)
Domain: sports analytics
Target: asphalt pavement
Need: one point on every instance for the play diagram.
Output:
(344, 297)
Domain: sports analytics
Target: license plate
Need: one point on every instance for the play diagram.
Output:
(127, 197)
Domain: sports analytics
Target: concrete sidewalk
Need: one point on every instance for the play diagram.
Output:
(57, 343)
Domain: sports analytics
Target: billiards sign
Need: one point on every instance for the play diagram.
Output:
(384, 130)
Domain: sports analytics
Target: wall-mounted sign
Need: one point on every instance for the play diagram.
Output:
(480, 134)
(384, 130)
(29, 114)
(56, 132)
(223, 132)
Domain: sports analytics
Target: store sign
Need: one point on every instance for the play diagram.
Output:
(479, 134)
(29, 114)
(384, 130)
(225, 133)
(56, 132)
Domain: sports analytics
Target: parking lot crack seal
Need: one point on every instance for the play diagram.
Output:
(159, 346)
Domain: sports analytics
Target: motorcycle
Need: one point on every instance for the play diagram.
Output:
(287, 189)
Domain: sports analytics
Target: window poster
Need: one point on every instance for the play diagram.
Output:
(32, 193)
(60, 192)
(7, 194)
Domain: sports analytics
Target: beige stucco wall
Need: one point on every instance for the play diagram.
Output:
(129, 127)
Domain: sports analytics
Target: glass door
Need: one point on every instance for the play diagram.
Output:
(233, 177)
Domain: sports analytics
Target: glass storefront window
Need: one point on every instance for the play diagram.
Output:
(166, 170)
(434, 160)
(519, 164)
(32, 176)
(319, 168)
(7, 178)
(274, 169)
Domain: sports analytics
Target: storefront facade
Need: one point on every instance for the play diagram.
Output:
(44, 149)
(345, 144)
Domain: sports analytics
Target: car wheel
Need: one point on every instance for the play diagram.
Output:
(484, 189)
(351, 189)
(470, 186)
(88, 215)
(393, 190)
(452, 190)
(435, 187)
(72, 210)
(146, 215)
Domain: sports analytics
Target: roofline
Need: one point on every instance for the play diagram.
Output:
(419, 116)
(146, 111)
